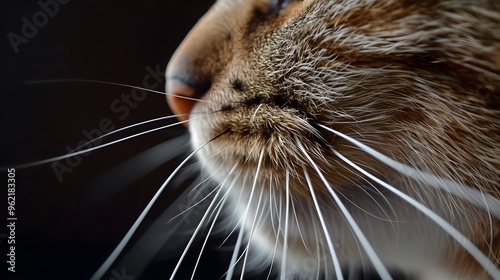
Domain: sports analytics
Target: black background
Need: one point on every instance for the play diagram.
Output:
(61, 233)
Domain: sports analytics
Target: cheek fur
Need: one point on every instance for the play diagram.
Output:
(396, 76)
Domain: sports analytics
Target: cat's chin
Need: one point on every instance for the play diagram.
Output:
(404, 238)
(261, 212)
(225, 151)
(262, 172)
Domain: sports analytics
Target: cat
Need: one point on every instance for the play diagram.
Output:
(340, 138)
(349, 134)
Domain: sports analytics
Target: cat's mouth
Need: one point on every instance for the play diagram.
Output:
(267, 121)
(266, 131)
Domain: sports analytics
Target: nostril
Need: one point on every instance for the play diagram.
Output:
(176, 90)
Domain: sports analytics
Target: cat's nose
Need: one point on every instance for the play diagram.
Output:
(189, 72)
(181, 98)
(186, 81)
(196, 61)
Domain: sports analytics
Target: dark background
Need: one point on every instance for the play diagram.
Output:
(66, 229)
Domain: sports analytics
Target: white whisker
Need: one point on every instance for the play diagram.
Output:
(232, 263)
(119, 248)
(319, 250)
(114, 84)
(250, 236)
(377, 263)
(298, 225)
(452, 231)
(255, 113)
(214, 220)
(272, 198)
(194, 204)
(53, 159)
(208, 234)
(333, 254)
(129, 127)
(285, 236)
(491, 233)
(474, 196)
(195, 233)
(366, 212)
(276, 242)
(235, 228)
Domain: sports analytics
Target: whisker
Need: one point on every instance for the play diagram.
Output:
(197, 203)
(277, 233)
(191, 193)
(271, 195)
(377, 263)
(195, 189)
(50, 81)
(234, 257)
(285, 236)
(255, 113)
(220, 205)
(273, 202)
(119, 248)
(490, 241)
(336, 264)
(57, 158)
(208, 234)
(156, 240)
(233, 265)
(465, 192)
(235, 228)
(208, 212)
(298, 224)
(132, 126)
(388, 219)
(319, 249)
(452, 231)
(356, 240)
(325, 262)
(195, 233)
(257, 209)
(137, 167)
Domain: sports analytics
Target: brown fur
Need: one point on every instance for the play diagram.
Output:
(416, 80)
